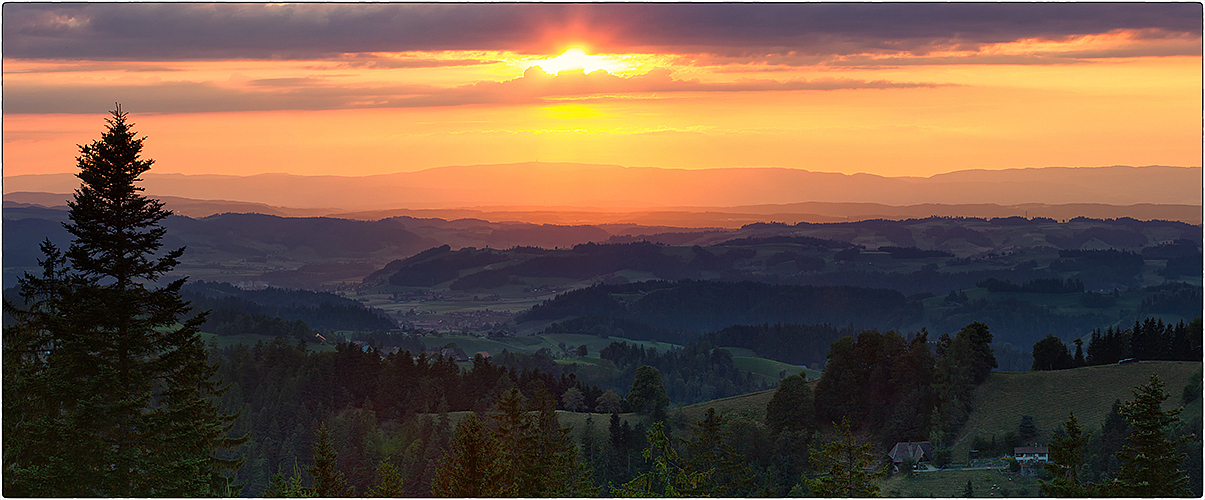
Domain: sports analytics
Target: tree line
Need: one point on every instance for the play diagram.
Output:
(1150, 340)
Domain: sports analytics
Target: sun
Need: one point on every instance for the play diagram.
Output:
(577, 58)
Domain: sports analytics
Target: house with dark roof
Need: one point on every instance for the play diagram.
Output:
(918, 451)
(455, 353)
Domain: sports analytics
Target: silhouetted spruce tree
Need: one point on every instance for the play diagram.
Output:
(1066, 463)
(1150, 464)
(107, 394)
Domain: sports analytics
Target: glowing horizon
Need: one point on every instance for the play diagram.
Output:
(597, 86)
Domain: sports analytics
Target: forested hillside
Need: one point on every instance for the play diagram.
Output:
(324, 312)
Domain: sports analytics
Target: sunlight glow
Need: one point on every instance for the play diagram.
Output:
(576, 58)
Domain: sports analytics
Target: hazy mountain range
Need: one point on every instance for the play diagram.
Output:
(563, 187)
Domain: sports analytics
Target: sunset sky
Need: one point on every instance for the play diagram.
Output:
(357, 89)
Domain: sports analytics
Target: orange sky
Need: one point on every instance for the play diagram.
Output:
(1090, 94)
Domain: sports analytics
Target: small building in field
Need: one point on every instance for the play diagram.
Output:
(1032, 459)
(1031, 454)
(918, 451)
(483, 354)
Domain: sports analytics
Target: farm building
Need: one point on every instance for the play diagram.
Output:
(919, 451)
(1031, 453)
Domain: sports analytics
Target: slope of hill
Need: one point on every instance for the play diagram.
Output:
(1047, 396)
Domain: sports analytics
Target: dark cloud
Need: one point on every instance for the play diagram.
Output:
(316, 93)
(371, 61)
(172, 31)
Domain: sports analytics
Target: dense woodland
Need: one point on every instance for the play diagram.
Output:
(702, 306)
(272, 311)
(888, 386)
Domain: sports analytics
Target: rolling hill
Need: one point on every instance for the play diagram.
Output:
(1047, 396)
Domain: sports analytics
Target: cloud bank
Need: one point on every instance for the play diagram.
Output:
(185, 31)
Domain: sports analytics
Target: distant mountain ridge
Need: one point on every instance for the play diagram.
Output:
(537, 184)
(671, 217)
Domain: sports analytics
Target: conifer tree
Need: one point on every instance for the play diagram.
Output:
(1150, 465)
(710, 454)
(391, 481)
(668, 476)
(1066, 462)
(473, 467)
(328, 479)
(107, 392)
(841, 466)
(287, 487)
(540, 457)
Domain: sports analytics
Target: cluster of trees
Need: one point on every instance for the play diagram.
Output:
(803, 263)
(898, 388)
(805, 241)
(441, 265)
(233, 321)
(285, 390)
(1181, 299)
(1147, 460)
(324, 312)
(1043, 285)
(697, 372)
(914, 253)
(1099, 267)
(1150, 339)
(703, 306)
(1114, 236)
(590, 259)
(1183, 258)
(1025, 322)
(790, 343)
(605, 326)
(1050, 353)
(524, 453)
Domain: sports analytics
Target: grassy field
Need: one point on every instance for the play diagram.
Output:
(952, 483)
(751, 406)
(1048, 396)
(770, 370)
